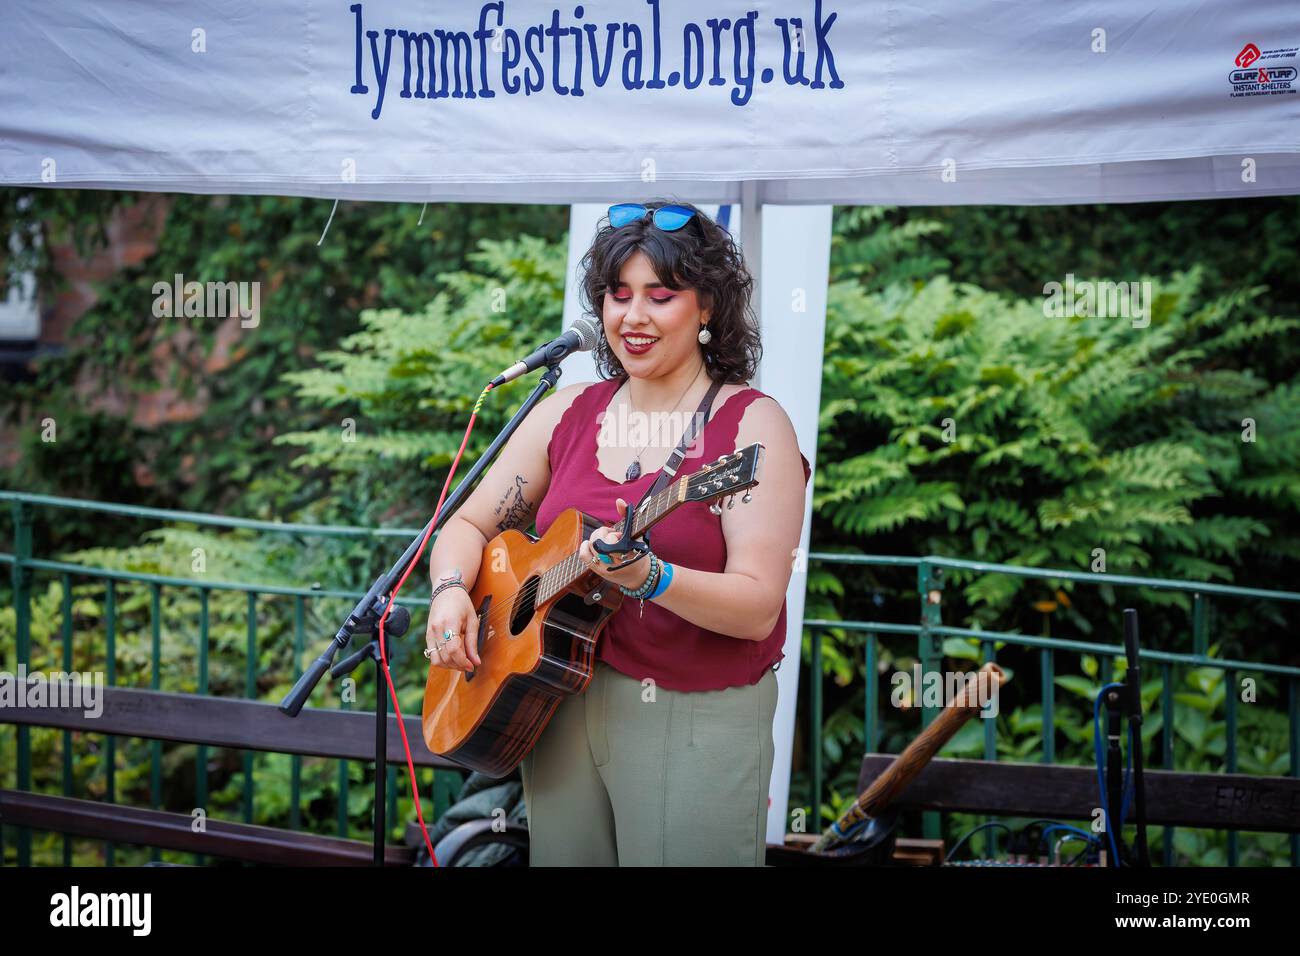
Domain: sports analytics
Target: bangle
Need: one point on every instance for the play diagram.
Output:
(444, 585)
(665, 579)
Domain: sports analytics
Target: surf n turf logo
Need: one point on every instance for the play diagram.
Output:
(1264, 72)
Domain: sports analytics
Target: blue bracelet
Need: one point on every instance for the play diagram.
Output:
(665, 578)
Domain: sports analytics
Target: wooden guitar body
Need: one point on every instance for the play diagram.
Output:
(540, 611)
(534, 655)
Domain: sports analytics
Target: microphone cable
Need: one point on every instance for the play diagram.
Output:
(392, 598)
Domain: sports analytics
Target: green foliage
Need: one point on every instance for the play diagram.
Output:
(220, 455)
(977, 428)
(402, 388)
(962, 422)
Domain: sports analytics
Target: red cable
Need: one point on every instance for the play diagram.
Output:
(392, 599)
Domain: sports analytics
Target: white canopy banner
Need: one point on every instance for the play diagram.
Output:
(820, 101)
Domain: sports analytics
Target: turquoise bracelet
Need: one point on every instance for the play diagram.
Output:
(651, 581)
(665, 578)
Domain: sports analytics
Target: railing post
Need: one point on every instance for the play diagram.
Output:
(815, 719)
(110, 680)
(1230, 746)
(1293, 718)
(65, 628)
(155, 683)
(1167, 746)
(871, 716)
(1200, 639)
(295, 762)
(929, 584)
(990, 754)
(201, 755)
(22, 584)
(250, 691)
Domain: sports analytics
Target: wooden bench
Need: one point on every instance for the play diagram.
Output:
(1068, 793)
(216, 722)
(1227, 801)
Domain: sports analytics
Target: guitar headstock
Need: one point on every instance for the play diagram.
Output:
(726, 476)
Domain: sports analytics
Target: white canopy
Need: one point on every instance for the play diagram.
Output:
(818, 101)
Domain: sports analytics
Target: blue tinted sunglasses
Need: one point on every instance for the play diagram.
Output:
(667, 218)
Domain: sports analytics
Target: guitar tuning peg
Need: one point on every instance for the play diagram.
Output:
(731, 502)
(747, 498)
(715, 508)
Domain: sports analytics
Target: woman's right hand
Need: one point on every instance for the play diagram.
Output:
(453, 610)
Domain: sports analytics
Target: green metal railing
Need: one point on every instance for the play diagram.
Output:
(929, 632)
(24, 565)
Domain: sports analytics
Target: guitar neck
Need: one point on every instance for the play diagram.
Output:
(657, 507)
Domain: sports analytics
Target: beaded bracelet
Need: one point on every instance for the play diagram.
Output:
(665, 578)
(651, 582)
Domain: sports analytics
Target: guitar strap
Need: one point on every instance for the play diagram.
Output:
(640, 547)
(679, 454)
(675, 460)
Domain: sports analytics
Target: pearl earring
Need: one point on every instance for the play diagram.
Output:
(705, 335)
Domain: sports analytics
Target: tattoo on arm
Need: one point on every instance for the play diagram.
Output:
(513, 509)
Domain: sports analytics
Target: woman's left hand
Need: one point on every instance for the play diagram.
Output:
(631, 577)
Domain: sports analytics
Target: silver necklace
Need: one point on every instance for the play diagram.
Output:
(634, 469)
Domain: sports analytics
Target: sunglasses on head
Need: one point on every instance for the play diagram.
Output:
(667, 218)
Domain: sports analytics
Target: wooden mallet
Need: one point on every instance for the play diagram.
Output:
(895, 778)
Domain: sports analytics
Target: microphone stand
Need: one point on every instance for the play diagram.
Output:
(364, 618)
(397, 624)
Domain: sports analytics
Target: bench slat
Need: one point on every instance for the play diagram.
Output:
(231, 722)
(1174, 798)
(174, 831)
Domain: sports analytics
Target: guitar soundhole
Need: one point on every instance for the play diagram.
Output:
(524, 606)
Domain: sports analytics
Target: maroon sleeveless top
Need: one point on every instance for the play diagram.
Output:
(677, 654)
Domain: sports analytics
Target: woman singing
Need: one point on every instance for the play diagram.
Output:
(665, 759)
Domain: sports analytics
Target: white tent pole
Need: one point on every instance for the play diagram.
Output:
(751, 242)
(796, 252)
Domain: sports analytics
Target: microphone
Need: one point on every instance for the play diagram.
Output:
(581, 336)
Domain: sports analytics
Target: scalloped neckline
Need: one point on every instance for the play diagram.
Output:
(595, 440)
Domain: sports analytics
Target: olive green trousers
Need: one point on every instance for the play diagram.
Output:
(627, 774)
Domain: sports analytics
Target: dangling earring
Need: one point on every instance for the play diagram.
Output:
(705, 335)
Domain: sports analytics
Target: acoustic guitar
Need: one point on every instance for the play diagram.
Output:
(540, 612)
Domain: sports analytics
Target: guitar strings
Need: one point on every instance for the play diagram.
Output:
(500, 612)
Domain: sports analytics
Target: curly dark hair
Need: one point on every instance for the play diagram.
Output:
(701, 256)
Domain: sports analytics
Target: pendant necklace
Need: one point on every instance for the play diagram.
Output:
(634, 469)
